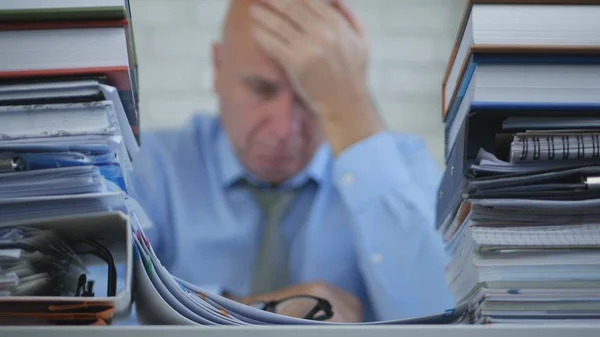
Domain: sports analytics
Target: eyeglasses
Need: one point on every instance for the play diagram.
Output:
(302, 306)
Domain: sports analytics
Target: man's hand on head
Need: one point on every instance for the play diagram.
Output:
(346, 308)
(324, 52)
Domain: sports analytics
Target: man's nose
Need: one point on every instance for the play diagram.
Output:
(284, 116)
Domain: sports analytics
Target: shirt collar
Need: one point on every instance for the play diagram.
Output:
(232, 170)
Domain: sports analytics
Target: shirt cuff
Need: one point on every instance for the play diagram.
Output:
(369, 169)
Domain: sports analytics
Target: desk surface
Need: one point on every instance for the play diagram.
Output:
(291, 331)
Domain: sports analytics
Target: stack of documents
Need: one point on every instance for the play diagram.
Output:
(68, 122)
(56, 160)
(519, 203)
(162, 298)
(68, 88)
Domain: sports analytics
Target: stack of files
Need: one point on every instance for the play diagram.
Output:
(523, 54)
(527, 260)
(41, 39)
(68, 128)
(63, 158)
(164, 299)
(65, 165)
(519, 200)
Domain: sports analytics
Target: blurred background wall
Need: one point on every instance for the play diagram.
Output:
(410, 42)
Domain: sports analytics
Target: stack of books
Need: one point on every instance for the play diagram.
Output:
(68, 126)
(519, 202)
(44, 40)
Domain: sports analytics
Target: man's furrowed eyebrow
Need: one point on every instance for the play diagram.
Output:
(257, 79)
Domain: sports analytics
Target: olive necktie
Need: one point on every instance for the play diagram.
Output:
(271, 265)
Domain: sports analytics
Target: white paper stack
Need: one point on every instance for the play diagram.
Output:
(63, 158)
(167, 300)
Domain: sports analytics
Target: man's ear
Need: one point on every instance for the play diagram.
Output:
(216, 62)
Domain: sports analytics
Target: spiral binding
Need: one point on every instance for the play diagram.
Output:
(531, 147)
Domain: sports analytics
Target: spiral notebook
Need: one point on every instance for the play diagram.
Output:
(555, 145)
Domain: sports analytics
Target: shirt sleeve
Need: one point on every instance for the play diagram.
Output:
(389, 185)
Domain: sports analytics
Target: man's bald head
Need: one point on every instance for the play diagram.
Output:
(237, 17)
(237, 50)
(236, 30)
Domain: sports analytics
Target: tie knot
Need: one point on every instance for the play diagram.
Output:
(272, 199)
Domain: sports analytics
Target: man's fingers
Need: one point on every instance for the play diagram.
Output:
(334, 12)
(283, 6)
(347, 13)
(275, 23)
(275, 46)
(296, 11)
(306, 17)
(317, 8)
(320, 8)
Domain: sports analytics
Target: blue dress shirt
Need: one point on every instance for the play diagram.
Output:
(362, 221)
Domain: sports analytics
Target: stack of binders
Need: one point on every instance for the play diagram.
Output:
(68, 124)
(71, 39)
(519, 202)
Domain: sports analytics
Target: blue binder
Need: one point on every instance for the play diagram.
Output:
(460, 102)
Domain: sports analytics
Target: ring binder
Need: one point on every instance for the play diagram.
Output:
(547, 146)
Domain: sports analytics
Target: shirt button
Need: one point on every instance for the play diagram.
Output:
(348, 179)
(377, 258)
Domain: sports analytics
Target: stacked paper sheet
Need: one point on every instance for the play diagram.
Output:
(165, 299)
(519, 202)
(56, 161)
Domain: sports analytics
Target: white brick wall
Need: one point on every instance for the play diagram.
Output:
(410, 43)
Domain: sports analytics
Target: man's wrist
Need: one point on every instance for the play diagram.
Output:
(349, 122)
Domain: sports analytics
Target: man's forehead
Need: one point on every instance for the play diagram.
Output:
(262, 72)
(251, 60)
(256, 75)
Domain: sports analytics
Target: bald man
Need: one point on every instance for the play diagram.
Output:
(296, 188)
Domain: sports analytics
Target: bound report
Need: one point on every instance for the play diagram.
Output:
(576, 145)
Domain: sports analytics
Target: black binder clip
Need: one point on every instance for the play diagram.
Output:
(85, 288)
